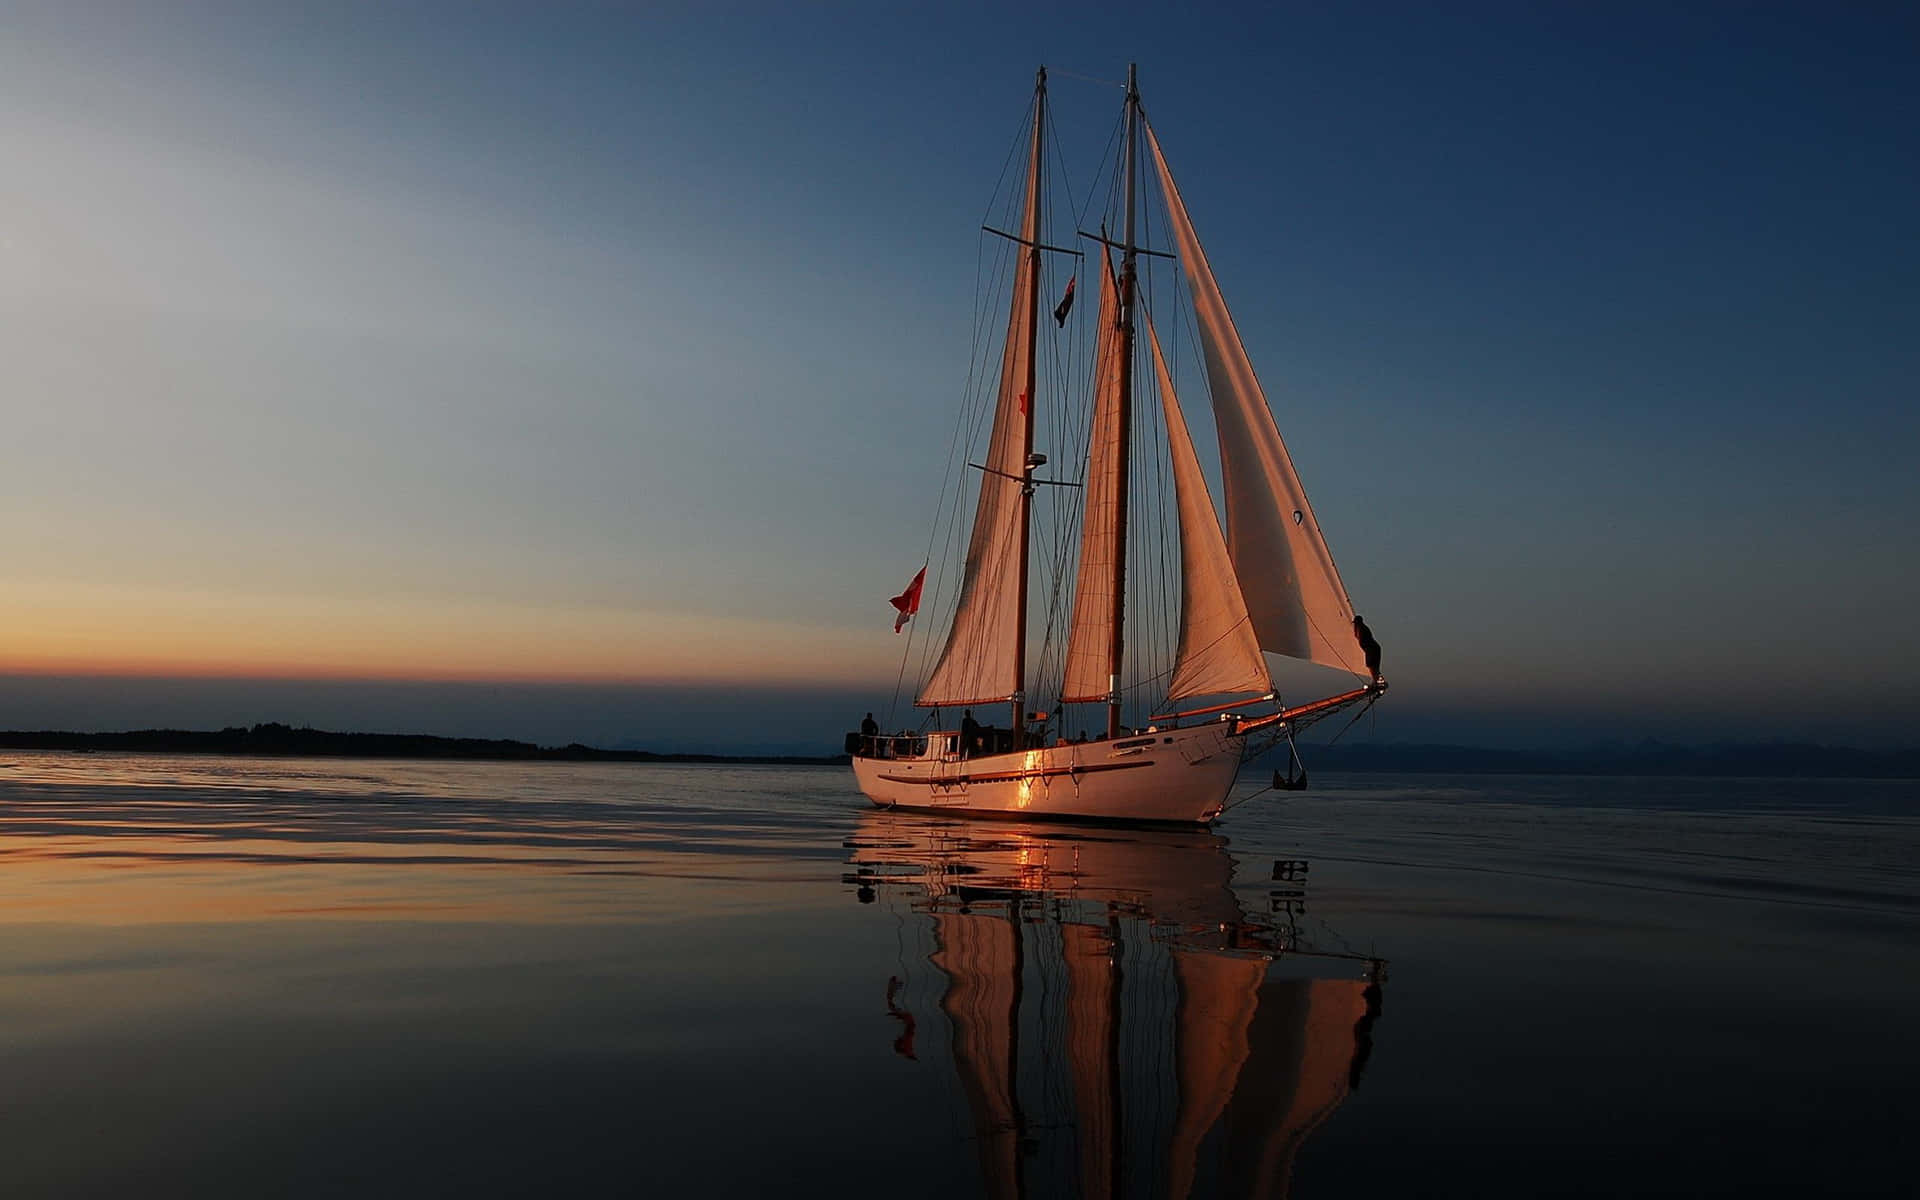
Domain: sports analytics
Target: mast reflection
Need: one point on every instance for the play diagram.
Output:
(1118, 1023)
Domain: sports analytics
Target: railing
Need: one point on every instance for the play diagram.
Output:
(887, 745)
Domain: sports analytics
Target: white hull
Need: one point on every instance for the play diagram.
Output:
(1169, 775)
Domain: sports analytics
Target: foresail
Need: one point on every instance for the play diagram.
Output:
(1089, 673)
(978, 663)
(1293, 591)
(1218, 654)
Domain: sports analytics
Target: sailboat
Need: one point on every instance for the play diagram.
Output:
(1115, 1019)
(1267, 584)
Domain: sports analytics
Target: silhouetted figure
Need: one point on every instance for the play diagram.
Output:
(869, 727)
(1368, 645)
(969, 732)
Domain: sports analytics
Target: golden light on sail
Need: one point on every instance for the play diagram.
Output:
(1292, 588)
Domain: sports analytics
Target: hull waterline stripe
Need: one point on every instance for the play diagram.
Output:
(996, 777)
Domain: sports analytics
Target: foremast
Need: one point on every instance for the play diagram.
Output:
(1128, 279)
(984, 660)
(1028, 464)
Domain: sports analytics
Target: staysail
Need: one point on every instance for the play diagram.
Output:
(1089, 673)
(1293, 591)
(980, 662)
(1218, 653)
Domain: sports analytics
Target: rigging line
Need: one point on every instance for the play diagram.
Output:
(1191, 323)
(1062, 71)
(1094, 362)
(1059, 508)
(1285, 453)
(942, 514)
(970, 405)
(1054, 143)
(1113, 138)
(1159, 583)
(1143, 603)
(1176, 590)
(971, 396)
(1331, 644)
(1024, 131)
(1077, 448)
(1171, 570)
(1065, 513)
(973, 410)
(1074, 524)
(1364, 709)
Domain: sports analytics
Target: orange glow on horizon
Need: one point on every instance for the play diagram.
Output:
(80, 630)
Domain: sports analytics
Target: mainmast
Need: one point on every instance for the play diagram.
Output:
(1125, 431)
(1026, 435)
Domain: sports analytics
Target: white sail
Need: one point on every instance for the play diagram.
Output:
(979, 662)
(1089, 673)
(1218, 652)
(1293, 591)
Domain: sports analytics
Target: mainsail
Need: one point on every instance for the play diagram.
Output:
(1089, 673)
(981, 660)
(1293, 591)
(1218, 653)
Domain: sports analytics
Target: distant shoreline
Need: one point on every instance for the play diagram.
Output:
(282, 741)
(1769, 760)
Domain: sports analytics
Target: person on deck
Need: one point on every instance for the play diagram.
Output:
(1368, 645)
(869, 727)
(969, 732)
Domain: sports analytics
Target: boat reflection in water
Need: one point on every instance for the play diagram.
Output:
(1117, 1022)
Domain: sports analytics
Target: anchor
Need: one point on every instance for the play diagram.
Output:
(1295, 779)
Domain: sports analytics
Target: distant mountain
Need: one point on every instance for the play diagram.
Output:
(1772, 759)
(274, 739)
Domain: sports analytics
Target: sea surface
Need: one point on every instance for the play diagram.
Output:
(302, 977)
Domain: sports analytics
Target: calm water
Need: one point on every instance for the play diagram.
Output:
(306, 977)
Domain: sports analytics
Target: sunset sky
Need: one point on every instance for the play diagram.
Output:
(410, 354)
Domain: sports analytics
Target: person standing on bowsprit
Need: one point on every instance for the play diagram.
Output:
(1369, 646)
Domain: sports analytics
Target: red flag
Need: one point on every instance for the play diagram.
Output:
(908, 602)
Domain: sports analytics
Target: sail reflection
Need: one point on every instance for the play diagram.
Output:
(1116, 1022)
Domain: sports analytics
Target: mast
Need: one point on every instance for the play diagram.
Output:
(1125, 432)
(984, 660)
(1026, 436)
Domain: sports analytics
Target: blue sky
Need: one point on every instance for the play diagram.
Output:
(595, 343)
